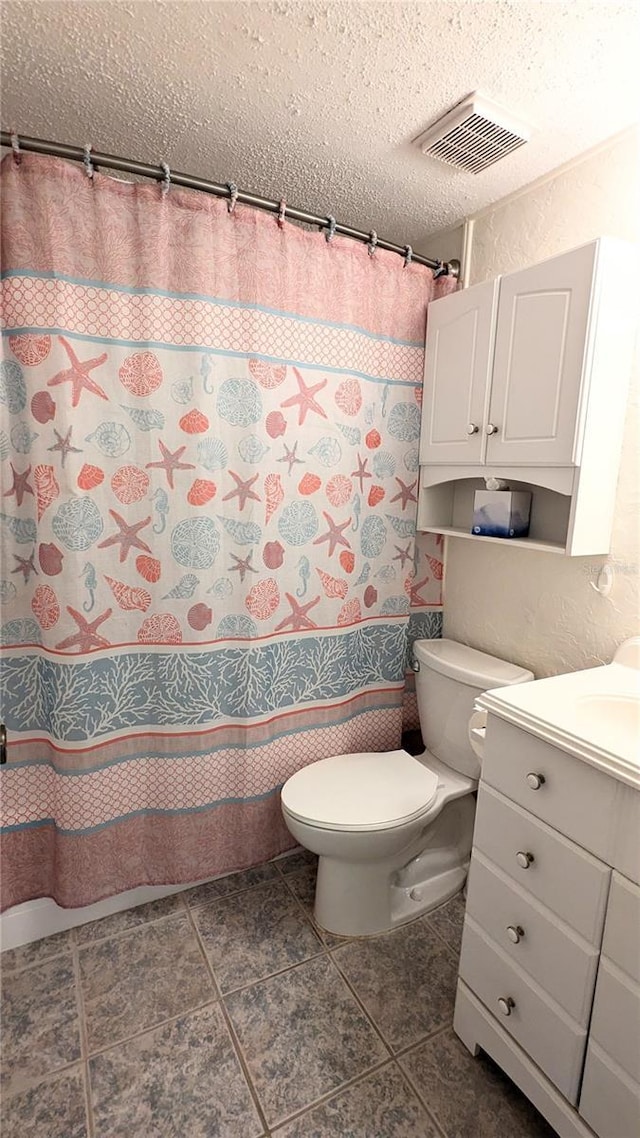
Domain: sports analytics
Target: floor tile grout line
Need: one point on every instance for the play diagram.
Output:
(440, 1129)
(368, 1015)
(7, 972)
(400, 1054)
(81, 945)
(310, 919)
(120, 1042)
(347, 1086)
(225, 896)
(9, 1092)
(218, 994)
(322, 951)
(436, 1125)
(84, 1034)
(361, 1004)
(446, 943)
(91, 1122)
(216, 901)
(235, 1042)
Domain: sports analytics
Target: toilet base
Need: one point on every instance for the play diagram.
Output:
(362, 898)
(407, 904)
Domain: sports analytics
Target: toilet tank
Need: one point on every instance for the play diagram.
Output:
(449, 679)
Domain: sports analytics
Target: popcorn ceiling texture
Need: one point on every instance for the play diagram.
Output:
(319, 101)
(538, 609)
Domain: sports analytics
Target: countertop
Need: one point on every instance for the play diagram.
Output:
(593, 714)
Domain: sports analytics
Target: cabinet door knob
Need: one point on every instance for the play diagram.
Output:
(506, 1004)
(472, 428)
(491, 429)
(535, 781)
(524, 859)
(515, 933)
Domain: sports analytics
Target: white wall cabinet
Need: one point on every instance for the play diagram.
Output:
(549, 980)
(457, 376)
(526, 379)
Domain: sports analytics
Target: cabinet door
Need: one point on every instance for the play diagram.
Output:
(539, 361)
(458, 357)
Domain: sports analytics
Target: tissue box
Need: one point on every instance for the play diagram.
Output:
(501, 513)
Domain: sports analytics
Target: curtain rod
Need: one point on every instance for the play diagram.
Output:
(143, 169)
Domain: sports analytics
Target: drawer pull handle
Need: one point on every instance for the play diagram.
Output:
(535, 781)
(506, 1005)
(524, 859)
(515, 933)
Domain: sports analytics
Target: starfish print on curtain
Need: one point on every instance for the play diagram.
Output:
(63, 444)
(20, 485)
(305, 398)
(170, 462)
(78, 374)
(127, 537)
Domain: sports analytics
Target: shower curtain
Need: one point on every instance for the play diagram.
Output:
(209, 478)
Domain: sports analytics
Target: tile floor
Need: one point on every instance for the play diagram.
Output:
(224, 1012)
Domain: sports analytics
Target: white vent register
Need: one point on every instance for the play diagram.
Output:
(474, 134)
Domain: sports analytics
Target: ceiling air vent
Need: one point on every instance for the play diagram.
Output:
(474, 134)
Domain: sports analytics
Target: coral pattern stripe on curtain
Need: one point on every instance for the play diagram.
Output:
(209, 481)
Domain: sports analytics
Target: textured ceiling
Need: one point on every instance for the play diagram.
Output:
(319, 101)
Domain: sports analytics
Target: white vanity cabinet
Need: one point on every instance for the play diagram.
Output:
(549, 981)
(526, 379)
(610, 1098)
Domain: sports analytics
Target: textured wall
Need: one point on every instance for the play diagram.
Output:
(443, 246)
(539, 609)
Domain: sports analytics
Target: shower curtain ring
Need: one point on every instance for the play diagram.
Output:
(233, 196)
(331, 228)
(166, 181)
(87, 163)
(15, 146)
(408, 255)
(282, 209)
(440, 271)
(373, 241)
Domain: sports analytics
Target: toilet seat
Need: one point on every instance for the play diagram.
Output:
(366, 791)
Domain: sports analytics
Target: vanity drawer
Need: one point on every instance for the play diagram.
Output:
(621, 942)
(535, 1021)
(615, 1025)
(561, 875)
(610, 1100)
(574, 797)
(545, 948)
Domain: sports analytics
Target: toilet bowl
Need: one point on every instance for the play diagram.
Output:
(393, 832)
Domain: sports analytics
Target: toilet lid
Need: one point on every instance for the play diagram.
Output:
(367, 791)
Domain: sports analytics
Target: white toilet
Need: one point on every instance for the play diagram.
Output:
(394, 832)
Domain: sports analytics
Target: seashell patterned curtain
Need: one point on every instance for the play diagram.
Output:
(209, 451)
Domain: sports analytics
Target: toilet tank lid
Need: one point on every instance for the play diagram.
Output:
(468, 665)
